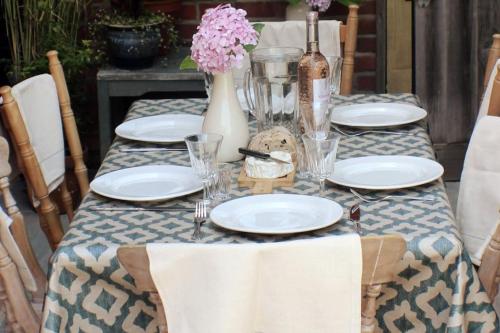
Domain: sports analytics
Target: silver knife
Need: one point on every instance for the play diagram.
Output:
(154, 209)
(131, 150)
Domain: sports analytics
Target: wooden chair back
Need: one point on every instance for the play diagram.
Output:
(380, 256)
(48, 212)
(21, 314)
(348, 38)
(494, 105)
(69, 123)
(493, 56)
(18, 227)
(489, 269)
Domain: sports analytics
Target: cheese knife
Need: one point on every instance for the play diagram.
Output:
(259, 155)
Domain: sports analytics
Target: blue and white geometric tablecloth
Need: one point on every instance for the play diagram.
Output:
(436, 288)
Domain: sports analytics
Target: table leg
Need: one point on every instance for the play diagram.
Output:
(104, 117)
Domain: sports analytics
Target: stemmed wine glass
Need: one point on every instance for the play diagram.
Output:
(203, 149)
(321, 152)
(335, 63)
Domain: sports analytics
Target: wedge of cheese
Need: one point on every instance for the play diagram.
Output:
(268, 169)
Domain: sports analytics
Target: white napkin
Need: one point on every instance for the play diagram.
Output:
(293, 34)
(479, 197)
(297, 286)
(12, 249)
(39, 106)
(485, 102)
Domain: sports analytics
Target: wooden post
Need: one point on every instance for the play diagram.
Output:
(69, 123)
(349, 51)
(490, 265)
(32, 168)
(493, 55)
(494, 107)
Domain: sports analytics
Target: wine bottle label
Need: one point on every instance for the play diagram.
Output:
(321, 95)
(321, 91)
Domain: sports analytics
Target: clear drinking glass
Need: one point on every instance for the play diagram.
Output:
(223, 182)
(274, 97)
(203, 149)
(321, 152)
(335, 63)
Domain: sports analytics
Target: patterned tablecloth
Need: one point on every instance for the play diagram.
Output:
(436, 288)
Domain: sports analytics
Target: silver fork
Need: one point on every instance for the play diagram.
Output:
(355, 217)
(353, 134)
(395, 197)
(200, 216)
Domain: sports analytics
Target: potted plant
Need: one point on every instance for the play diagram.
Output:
(132, 36)
(297, 9)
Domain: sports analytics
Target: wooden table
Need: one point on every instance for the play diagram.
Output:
(436, 288)
(163, 76)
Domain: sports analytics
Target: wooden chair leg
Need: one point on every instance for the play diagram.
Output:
(49, 220)
(67, 200)
(162, 320)
(20, 235)
(20, 314)
(368, 313)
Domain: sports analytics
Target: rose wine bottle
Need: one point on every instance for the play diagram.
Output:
(314, 89)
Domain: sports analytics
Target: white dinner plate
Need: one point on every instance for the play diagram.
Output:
(374, 115)
(385, 172)
(147, 183)
(166, 128)
(276, 213)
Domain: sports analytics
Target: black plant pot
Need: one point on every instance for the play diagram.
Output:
(133, 48)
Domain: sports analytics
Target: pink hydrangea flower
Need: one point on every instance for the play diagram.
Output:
(321, 5)
(218, 43)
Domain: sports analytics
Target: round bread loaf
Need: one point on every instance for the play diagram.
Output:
(275, 139)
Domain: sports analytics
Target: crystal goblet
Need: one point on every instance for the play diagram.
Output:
(203, 149)
(321, 152)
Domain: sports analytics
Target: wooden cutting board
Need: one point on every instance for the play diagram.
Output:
(264, 185)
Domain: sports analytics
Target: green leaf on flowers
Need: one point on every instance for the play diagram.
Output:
(249, 47)
(188, 63)
(258, 27)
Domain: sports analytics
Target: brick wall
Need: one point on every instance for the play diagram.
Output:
(274, 10)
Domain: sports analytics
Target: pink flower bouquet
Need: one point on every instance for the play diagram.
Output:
(319, 5)
(223, 37)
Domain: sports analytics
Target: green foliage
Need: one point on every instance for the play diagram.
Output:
(188, 63)
(35, 27)
(294, 2)
(350, 2)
